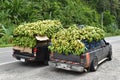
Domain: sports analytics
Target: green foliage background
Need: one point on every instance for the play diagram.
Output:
(101, 13)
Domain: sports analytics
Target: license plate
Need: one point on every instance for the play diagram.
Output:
(63, 66)
(23, 60)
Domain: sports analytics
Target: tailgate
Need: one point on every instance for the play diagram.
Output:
(70, 57)
(18, 52)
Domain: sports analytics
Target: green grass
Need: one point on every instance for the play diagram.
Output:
(109, 34)
(6, 45)
(112, 34)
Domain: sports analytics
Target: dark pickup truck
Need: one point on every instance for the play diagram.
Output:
(38, 53)
(96, 52)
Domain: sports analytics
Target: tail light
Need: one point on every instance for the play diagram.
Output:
(35, 51)
(87, 59)
(82, 58)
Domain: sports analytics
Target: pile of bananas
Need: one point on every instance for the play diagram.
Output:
(24, 35)
(24, 41)
(93, 33)
(70, 41)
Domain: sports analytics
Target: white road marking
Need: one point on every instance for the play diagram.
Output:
(8, 62)
(5, 52)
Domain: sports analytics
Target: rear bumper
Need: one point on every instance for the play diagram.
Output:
(66, 66)
(26, 58)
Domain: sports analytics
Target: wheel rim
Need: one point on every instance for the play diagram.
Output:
(111, 56)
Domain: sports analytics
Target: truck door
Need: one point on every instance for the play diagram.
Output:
(105, 48)
(95, 48)
(99, 50)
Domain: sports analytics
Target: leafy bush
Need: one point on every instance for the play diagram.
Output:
(67, 11)
(6, 39)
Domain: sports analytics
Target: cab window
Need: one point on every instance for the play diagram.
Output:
(102, 43)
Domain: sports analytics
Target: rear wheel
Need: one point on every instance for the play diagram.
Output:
(94, 64)
(46, 62)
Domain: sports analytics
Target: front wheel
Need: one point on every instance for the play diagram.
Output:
(94, 64)
(109, 56)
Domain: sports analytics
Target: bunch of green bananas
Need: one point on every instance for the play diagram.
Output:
(42, 28)
(93, 33)
(70, 41)
(24, 35)
(24, 41)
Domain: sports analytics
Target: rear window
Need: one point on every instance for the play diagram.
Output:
(94, 44)
(89, 45)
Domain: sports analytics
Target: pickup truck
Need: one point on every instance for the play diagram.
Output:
(39, 53)
(96, 53)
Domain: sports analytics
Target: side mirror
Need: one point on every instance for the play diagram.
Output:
(107, 43)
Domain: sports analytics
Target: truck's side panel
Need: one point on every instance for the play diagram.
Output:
(97, 53)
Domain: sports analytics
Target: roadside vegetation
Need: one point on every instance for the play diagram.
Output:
(99, 13)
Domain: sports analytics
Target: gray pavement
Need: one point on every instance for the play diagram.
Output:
(112, 39)
(6, 55)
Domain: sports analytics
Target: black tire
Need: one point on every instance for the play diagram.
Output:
(109, 56)
(27, 61)
(46, 62)
(94, 65)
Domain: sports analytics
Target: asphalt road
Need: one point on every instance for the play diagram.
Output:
(16, 70)
(5, 55)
